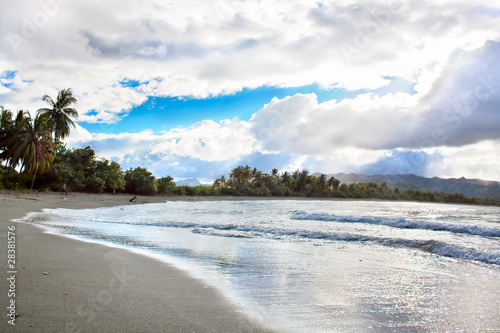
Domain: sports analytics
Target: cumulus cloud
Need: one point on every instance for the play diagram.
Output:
(460, 108)
(198, 49)
(203, 49)
(301, 125)
(368, 133)
(206, 141)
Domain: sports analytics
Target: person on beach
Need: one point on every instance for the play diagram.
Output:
(65, 190)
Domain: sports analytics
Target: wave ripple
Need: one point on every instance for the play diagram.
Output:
(402, 223)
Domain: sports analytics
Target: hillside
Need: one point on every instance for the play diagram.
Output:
(188, 182)
(470, 187)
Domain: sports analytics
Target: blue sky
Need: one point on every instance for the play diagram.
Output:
(192, 89)
(159, 114)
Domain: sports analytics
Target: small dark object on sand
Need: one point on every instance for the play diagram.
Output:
(133, 199)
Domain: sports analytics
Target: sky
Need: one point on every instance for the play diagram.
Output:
(195, 88)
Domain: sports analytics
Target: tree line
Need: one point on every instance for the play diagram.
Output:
(245, 181)
(34, 147)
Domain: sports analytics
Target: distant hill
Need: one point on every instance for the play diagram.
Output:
(478, 188)
(188, 182)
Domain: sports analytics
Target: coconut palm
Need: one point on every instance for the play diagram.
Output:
(60, 113)
(275, 173)
(333, 183)
(303, 180)
(6, 123)
(9, 137)
(321, 183)
(32, 144)
(286, 178)
(5, 118)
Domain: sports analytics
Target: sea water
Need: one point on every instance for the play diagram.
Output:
(320, 265)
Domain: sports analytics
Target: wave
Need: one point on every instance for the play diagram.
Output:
(401, 223)
(429, 246)
(37, 217)
(253, 231)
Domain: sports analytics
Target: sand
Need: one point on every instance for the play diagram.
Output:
(66, 285)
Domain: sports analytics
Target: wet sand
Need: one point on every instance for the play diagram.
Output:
(66, 285)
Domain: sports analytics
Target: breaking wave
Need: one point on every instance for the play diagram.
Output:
(402, 223)
(280, 233)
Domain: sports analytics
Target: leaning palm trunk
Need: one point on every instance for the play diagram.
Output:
(34, 175)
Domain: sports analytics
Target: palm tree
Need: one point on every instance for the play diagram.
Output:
(286, 178)
(60, 112)
(33, 144)
(303, 180)
(321, 183)
(333, 183)
(6, 123)
(274, 173)
(9, 137)
(5, 118)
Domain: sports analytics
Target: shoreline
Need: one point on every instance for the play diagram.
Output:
(66, 285)
(144, 199)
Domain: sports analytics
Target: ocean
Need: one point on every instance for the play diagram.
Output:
(320, 265)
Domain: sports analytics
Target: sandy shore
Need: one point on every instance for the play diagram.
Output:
(64, 285)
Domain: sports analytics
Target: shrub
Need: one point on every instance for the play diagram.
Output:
(140, 181)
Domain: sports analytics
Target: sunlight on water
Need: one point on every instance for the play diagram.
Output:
(322, 266)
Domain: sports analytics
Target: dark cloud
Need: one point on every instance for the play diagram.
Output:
(400, 162)
(463, 106)
(143, 49)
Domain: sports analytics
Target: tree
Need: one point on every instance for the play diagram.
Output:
(286, 179)
(6, 125)
(274, 173)
(32, 144)
(303, 179)
(333, 183)
(60, 113)
(112, 175)
(140, 181)
(10, 136)
(165, 185)
(321, 184)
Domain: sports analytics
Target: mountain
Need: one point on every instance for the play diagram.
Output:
(188, 182)
(478, 188)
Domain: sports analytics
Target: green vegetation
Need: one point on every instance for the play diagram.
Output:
(244, 181)
(33, 146)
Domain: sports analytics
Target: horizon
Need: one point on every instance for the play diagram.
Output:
(193, 90)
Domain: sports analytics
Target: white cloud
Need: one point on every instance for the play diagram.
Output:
(301, 125)
(205, 49)
(206, 141)
(460, 108)
(480, 160)
(78, 135)
(358, 134)
(4, 90)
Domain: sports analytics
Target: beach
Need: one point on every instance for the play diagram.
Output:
(100, 263)
(59, 284)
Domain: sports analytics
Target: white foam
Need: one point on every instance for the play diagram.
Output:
(402, 223)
